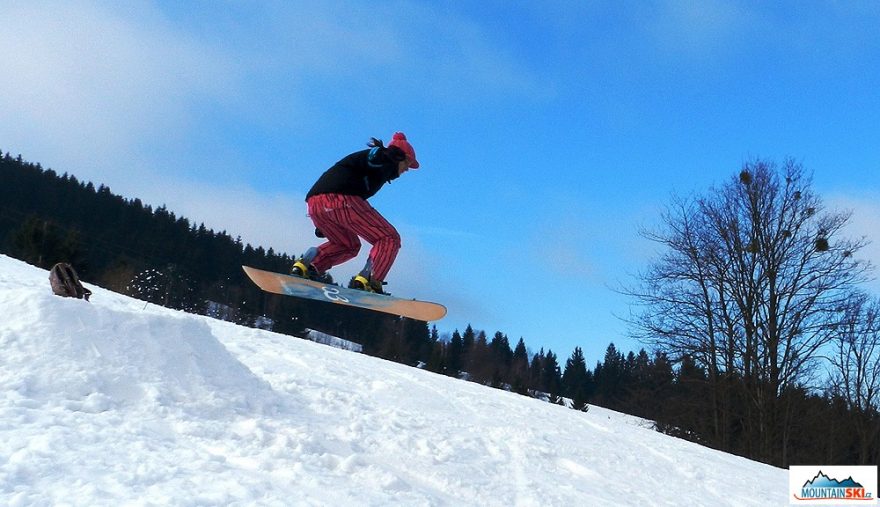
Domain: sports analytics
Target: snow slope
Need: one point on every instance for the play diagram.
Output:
(118, 402)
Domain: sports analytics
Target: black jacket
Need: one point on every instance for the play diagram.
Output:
(362, 174)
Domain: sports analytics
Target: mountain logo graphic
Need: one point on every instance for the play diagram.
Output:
(823, 481)
(822, 487)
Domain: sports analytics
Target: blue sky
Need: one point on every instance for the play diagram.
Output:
(549, 133)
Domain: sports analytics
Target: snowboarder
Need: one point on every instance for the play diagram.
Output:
(337, 205)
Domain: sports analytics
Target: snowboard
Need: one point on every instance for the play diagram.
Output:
(287, 285)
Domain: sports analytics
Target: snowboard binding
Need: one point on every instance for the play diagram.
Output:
(360, 282)
(305, 269)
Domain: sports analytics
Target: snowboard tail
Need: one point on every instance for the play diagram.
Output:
(287, 285)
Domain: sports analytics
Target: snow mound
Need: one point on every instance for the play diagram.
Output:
(116, 402)
(90, 358)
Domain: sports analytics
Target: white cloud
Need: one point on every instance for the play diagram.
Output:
(275, 221)
(563, 241)
(703, 30)
(89, 87)
(123, 94)
(88, 82)
(415, 46)
(471, 60)
(864, 223)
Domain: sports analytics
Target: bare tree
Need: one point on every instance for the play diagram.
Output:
(856, 370)
(751, 283)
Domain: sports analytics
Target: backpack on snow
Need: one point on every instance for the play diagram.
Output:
(66, 283)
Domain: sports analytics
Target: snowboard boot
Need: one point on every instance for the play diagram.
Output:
(360, 282)
(304, 269)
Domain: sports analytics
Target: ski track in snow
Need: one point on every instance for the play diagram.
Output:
(118, 402)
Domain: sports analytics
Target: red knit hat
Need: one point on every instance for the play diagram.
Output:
(399, 140)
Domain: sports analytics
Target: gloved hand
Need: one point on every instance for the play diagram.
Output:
(318, 233)
(373, 143)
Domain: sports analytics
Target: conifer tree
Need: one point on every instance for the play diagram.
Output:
(575, 380)
(455, 354)
(479, 360)
(552, 375)
(501, 357)
(519, 369)
(611, 379)
(536, 372)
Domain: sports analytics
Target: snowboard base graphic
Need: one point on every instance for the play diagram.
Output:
(287, 285)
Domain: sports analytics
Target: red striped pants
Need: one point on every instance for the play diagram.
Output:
(345, 218)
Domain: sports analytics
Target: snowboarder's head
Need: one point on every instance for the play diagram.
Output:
(398, 140)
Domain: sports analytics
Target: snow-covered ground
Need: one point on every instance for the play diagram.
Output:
(116, 402)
